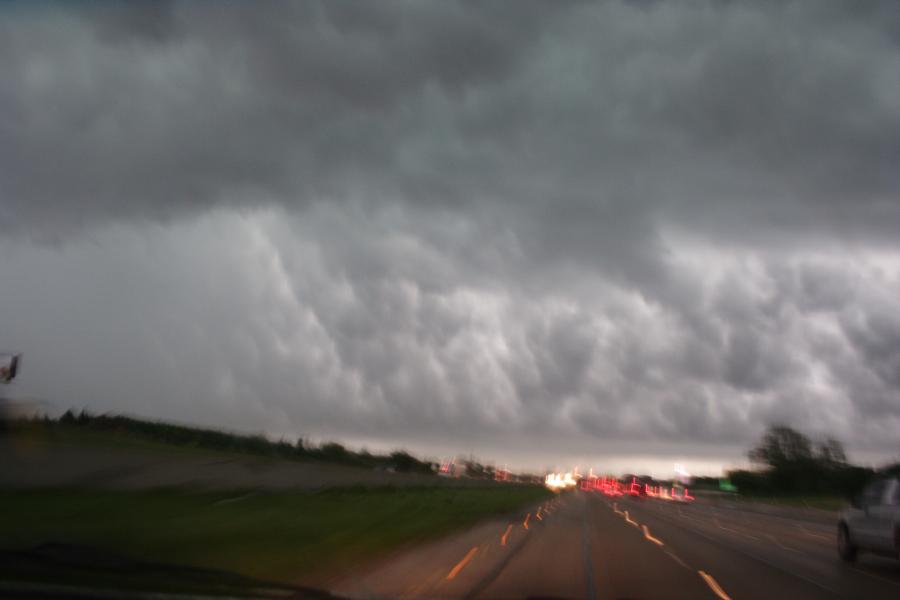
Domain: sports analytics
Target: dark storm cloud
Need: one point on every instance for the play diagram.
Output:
(455, 222)
(157, 112)
(793, 106)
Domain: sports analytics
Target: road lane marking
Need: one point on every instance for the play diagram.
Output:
(723, 528)
(505, 535)
(459, 566)
(714, 586)
(810, 533)
(525, 522)
(777, 565)
(647, 535)
(720, 526)
(779, 544)
(628, 519)
(494, 571)
(616, 508)
(676, 559)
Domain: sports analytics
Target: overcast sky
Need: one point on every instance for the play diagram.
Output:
(613, 234)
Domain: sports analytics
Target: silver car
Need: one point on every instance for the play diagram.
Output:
(872, 523)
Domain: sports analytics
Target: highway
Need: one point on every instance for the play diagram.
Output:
(587, 545)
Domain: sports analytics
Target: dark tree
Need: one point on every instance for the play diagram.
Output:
(403, 462)
(795, 465)
(782, 446)
(831, 453)
(334, 451)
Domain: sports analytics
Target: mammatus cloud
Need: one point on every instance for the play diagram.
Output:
(605, 230)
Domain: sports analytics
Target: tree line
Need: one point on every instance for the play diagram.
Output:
(792, 463)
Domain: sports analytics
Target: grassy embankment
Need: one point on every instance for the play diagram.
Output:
(122, 430)
(281, 536)
(277, 536)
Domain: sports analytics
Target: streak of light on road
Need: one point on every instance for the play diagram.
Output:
(674, 557)
(459, 566)
(722, 527)
(714, 586)
(730, 530)
(505, 535)
(647, 535)
(629, 520)
(810, 533)
(525, 522)
(779, 544)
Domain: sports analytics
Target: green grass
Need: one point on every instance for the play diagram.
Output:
(275, 536)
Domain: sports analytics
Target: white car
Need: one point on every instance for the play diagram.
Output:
(872, 523)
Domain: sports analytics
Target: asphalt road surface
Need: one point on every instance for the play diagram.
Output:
(585, 545)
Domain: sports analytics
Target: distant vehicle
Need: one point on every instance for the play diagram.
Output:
(636, 487)
(872, 523)
(450, 467)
